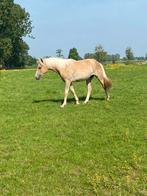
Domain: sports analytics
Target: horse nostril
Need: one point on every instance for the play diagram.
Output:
(36, 78)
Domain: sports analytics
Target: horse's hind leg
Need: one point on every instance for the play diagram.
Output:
(74, 93)
(107, 95)
(89, 89)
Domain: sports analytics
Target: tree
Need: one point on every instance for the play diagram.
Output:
(146, 57)
(30, 61)
(100, 54)
(14, 25)
(59, 53)
(113, 57)
(73, 54)
(89, 56)
(140, 58)
(129, 53)
(5, 50)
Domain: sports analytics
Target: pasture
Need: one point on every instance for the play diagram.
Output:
(93, 149)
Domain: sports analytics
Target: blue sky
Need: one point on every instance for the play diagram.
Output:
(115, 24)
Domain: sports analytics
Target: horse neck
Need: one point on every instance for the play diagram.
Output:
(55, 65)
(52, 65)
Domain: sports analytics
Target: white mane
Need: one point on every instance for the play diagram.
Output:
(59, 61)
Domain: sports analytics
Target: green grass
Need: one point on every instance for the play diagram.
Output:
(93, 149)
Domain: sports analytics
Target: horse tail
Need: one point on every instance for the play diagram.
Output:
(107, 83)
(101, 74)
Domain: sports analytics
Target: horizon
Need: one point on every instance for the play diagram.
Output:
(63, 24)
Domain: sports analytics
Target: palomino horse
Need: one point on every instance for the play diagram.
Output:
(71, 70)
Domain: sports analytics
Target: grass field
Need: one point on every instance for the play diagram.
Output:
(93, 149)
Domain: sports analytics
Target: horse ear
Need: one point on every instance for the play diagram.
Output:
(40, 61)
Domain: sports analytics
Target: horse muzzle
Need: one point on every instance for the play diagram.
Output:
(37, 76)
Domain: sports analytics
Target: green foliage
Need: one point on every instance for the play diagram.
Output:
(5, 49)
(30, 61)
(89, 56)
(139, 58)
(59, 53)
(73, 54)
(14, 25)
(129, 54)
(93, 149)
(100, 54)
(113, 58)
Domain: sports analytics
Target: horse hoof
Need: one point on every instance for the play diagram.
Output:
(62, 106)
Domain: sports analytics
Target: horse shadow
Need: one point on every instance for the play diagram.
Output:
(68, 100)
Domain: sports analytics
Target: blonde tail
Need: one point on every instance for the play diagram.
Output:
(107, 83)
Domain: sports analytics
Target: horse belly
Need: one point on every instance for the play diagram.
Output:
(79, 76)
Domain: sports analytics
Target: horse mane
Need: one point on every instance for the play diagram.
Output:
(57, 60)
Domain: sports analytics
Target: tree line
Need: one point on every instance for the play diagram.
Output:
(101, 55)
(15, 24)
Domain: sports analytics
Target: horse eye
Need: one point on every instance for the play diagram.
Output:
(39, 67)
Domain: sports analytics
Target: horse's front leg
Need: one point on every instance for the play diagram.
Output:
(67, 85)
(89, 89)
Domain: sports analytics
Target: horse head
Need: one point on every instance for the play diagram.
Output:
(41, 69)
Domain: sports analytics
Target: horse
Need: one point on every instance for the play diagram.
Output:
(72, 70)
